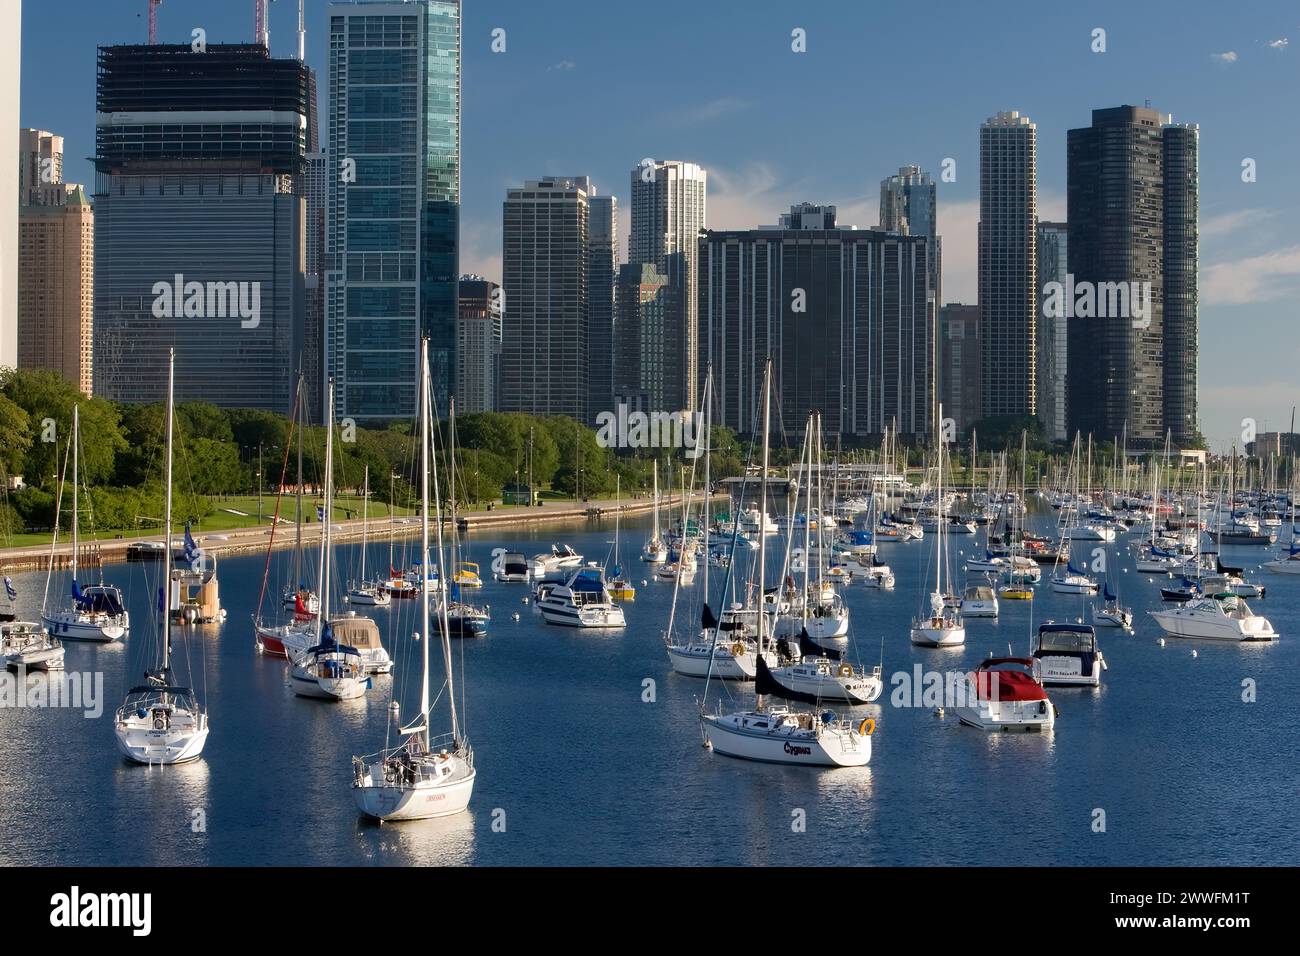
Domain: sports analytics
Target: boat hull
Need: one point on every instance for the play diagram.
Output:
(144, 745)
(828, 750)
(67, 628)
(393, 803)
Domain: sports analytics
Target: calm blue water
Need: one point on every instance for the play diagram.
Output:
(581, 771)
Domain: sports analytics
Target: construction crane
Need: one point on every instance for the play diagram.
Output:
(153, 21)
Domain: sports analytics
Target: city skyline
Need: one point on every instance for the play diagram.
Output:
(1248, 265)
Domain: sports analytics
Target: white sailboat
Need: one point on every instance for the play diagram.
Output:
(97, 612)
(369, 593)
(328, 670)
(943, 627)
(424, 776)
(724, 647)
(162, 722)
(655, 550)
(781, 734)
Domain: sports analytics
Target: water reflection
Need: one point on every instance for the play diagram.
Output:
(441, 841)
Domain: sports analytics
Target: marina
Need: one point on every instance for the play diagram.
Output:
(273, 783)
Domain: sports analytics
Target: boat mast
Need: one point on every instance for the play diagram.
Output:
(365, 523)
(762, 520)
(424, 545)
(76, 480)
(167, 523)
(297, 543)
(708, 487)
(442, 571)
(324, 576)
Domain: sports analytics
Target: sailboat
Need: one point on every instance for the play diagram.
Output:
(424, 776)
(723, 647)
(1112, 613)
(620, 588)
(655, 551)
(367, 592)
(297, 596)
(294, 637)
(460, 618)
(943, 626)
(781, 734)
(329, 669)
(161, 722)
(97, 612)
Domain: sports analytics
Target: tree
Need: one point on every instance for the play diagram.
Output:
(15, 436)
(44, 396)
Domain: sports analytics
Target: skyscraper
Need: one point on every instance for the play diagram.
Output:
(56, 259)
(478, 345)
(1008, 294)
(602, 276)
(846, 315)
(199, 160)
(40, 165)
(545, 259)
(641, 348)
(316, 202)
(669, 206)
(1053, 351)
(1181, 265)
(959, 364)
(11, 33)
(1132, 200)
(909, 204)
(394, 202)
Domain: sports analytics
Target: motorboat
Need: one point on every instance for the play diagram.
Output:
(25, 645)
(1006, 694)
(556, 566)
(1068, 655)
(979, 600)
(513, 568)
(467, 575)
(582, 601)
(1216, 617)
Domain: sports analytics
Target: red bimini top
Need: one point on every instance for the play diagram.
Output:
(993, 681)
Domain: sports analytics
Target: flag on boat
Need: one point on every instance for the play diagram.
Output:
(193, 553)
(10, 589)
(320, 512)
(162, 605)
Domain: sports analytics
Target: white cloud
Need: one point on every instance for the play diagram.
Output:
(564, 66)
(1261, 278)
(1229, 57)
(708, 112)
(1279, 44)
(1215, 227)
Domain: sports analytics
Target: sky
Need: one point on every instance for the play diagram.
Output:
(594, 86)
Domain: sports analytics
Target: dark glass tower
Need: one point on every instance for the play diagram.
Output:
(199, 187)
(1132, 201)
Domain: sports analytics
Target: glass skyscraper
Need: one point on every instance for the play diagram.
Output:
(392, 247)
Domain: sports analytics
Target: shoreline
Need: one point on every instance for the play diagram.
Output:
(254, 539)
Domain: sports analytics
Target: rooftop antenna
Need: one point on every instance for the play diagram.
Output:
(261, 35)
(153, 21)
(302, 35)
